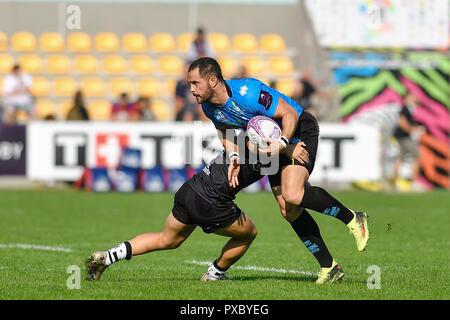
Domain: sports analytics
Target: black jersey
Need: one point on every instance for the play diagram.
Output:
(212, 182)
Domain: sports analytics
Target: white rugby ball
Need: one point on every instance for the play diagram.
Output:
(260, 128)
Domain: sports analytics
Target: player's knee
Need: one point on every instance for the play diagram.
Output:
(293, 198)
(253, 233)
(169, 243)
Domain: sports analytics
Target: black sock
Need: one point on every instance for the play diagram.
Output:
(218, 267)
(308, 231)
(320, 200)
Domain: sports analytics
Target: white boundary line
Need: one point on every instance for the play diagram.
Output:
(34, 247)
(255, 268)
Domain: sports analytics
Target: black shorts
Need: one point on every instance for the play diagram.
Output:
(190, 208)
(307, 131)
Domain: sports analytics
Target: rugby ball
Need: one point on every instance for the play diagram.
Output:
(261, 127)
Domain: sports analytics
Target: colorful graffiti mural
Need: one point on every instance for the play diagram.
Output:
(370, 82)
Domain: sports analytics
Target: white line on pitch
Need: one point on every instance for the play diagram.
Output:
(256, 268)
(34, 247)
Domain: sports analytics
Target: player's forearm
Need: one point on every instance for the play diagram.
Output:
(289, 123)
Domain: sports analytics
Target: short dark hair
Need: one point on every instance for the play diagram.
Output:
(207, 67)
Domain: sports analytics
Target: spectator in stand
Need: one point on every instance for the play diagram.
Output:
(186, 105)
(408, 134)
(144, 110)
(17, 94)
(200, 47)
(124, 110)
(78, 112)
(304, 90)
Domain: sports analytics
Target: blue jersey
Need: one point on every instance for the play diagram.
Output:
(247, 98)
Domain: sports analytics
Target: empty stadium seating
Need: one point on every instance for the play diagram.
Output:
(79, 42)
(134, 42)
(149, 87)
(93, 87)
(107, 42)
(86, 64)
(245, 43)
(40, 87)
(58, 64)
(184, 41)
(23, 41)
(99, 110)
(114, 64)
(162, 43)
(31, 63)
(6, 63)
(220, 42)
(272, 44)
(51, 42)
(3, 41)
(141, 64)
(64, 87)
(105, 64)
(121, 85)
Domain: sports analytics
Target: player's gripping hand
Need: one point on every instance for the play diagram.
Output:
(233, 172)
(297, 152)
(274, 147)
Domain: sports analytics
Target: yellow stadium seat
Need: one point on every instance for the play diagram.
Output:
(79, 42)
(162, 43)
(58, 64)
(99, 110)
(184, 41)
(51, 42)
(285, 86)
(118, 86)
(86, 64)
(22, 116)
(114, 64)
(23, 41)
(170, 86)
(229, 65)
(149, 87)
(141, 64)
(40, 87)
(93, 87)
(44, 108)
(220, 42)
(107, 42)
(161, 110)
(3, 41)
(170, 65)
(64, 87)
(6, 63)
(255, 65)
(272, 43)
(31, 63)
(64, 107)
(280, 66)
(245, 43)
(134, 42)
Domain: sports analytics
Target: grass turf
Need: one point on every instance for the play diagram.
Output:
(409, 243)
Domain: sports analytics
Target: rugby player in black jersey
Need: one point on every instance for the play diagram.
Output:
(205, 200)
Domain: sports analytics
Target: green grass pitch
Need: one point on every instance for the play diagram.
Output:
(44, 232)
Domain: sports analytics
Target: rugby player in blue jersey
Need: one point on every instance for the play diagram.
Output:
(230, 104)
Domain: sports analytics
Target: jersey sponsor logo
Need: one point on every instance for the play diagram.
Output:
(265, 99)
(220, 115)
(243, 90)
